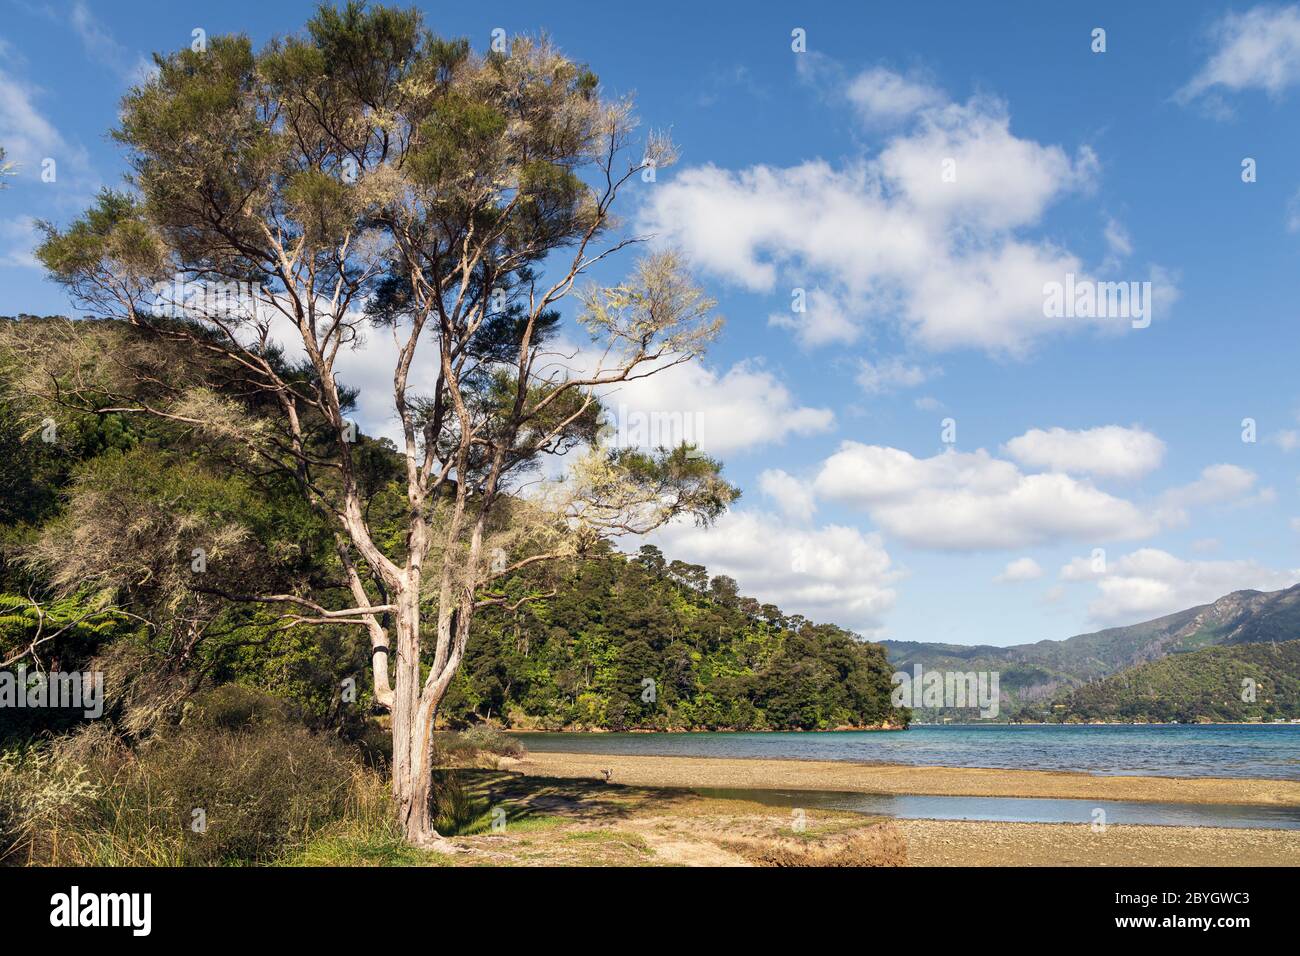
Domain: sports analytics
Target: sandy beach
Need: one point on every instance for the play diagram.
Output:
(686, 772)
(648, 815)
(562, 812)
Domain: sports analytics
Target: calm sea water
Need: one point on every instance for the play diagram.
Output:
(1023, 809)
(1202, 750)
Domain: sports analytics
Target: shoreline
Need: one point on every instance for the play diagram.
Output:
(762, 773)
(892, 728)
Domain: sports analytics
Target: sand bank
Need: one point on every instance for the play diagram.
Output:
(648, 771)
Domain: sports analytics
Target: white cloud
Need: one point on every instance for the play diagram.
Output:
(26, 134)
(1258, 49)
(1118, 242)
(792, 495)
(972, 501)
(826, 319)
(883, 96)
(1149, 583)
(744, 407)
(832, 574)
(1000, 181)
(1110, 451)
(1218, 484)
(890, 374)
(18, 237)
(100, 45)
(1021, 569)
(887, 238)
(1288, 439)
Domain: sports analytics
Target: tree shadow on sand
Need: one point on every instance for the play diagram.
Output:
(470, 799)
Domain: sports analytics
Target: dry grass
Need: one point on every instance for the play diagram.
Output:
(879, 844)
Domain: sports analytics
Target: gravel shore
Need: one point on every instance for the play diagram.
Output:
(697, 831)
(645, 771)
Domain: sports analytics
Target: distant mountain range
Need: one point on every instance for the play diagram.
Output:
(1038, 674)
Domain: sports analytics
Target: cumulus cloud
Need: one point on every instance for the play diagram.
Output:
(892, 238)
(825, 318)
(793, 496)
(723, 411)
(1021, 569)
(833, 573)
(1258, 49)
(1110, 451)
(744, 407)
(1217, 485)
(973, 501)
(882, 96)
(1148, 583)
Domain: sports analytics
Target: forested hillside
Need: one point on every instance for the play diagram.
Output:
(650, 643)
(100, 525)
(1035, 675)
(1237, 683)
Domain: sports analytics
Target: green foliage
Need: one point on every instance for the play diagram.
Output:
(189, 797)
(487, 739)
(458, 136)
(234, 707)
(1035, 676)
(113, 231)
(586, 659)
(127, 500)
(1204, 685)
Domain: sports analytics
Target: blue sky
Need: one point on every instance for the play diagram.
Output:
(824, 170)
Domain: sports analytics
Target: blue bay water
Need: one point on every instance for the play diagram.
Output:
(1175, 750)
(1023, 809)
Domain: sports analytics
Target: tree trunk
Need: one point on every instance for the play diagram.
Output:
(412, 732)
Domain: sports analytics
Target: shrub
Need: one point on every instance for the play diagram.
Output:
(261, 791)
(236, 707)
(454, 809)
(485, 738)
(38, 789)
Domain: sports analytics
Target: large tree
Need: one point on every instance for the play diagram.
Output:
(369, 179)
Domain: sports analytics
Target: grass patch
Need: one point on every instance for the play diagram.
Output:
(362, 849)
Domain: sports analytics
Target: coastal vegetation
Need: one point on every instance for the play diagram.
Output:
(1036, 679)
(266, 724)
(1245, 682)
(364, 176)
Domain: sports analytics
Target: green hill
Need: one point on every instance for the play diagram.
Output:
(1034, 675)
(645, 643)
(1231, 683)
(625, 642)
